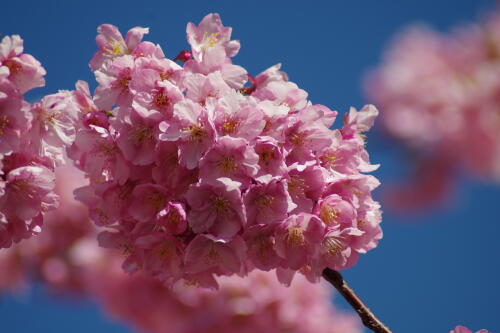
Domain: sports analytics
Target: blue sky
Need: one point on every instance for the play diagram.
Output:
(429, 273)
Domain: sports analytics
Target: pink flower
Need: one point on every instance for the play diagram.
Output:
(209, 33)
(216, 208)
(173, 218)
(332, 210)
(308, 132)
(200, 88)
(13, 117)
(138, 137)
(235, 116)
(97, 152)
(305, 184)
(25, 72)
(193, 130)
(54, 124)
(271, 158)
(336, 248)
(114, 79)
(268, 202)
(208, 253)
(147, 201)
(230, 157)
(298, 239)
(260, 242)
(283, 93)
(112, 45)
(27, 190)
(167, 255)
(168, 171)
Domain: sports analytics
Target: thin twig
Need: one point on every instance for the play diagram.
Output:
(367, 317)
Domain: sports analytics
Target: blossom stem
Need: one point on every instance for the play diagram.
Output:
(367, 317)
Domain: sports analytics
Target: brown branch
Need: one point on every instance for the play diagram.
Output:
(367, 317)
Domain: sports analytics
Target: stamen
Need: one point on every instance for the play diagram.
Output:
(4, 122)
(212, 256)
(227, 165)
(333, 246)
(329, 215)
(220, 204)
(295, 236)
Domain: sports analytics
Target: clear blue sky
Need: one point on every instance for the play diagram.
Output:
(424, 277)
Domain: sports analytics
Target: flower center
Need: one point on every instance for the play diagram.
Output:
(264, 244)
(210, 39)
(161, 99)
(297, 186)
(230, 126)
(212, 256)
(227, 165)
(157, 200)
(329, 215)
(115, 48)
(165, 250)
(264, 201)
(295, 236)
(4, 122)
(220, 204)
(141, 134)
(13, 66)
(197, 133)
(333, 246)
(330, 158)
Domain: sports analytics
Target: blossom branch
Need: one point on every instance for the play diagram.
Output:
(367, 317)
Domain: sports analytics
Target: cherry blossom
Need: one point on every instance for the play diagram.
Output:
(200, 170)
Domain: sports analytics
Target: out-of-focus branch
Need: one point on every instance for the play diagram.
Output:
(367, 317)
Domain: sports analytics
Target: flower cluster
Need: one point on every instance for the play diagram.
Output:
(197, 175)
(33, 138)
(66, 258)
(440, 95)
(52, 256)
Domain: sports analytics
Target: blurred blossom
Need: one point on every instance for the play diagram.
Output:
(66, 258)
(440, 95)
(462, 329)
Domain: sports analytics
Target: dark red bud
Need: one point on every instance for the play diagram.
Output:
(183, 56)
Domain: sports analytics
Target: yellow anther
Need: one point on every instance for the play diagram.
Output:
(297, 139)
(329, 215)
(230, 126)
(4, 122)
(197, 133)
(264, 201)
(333, 246)
(297, 185)
(116, 48)
(210, 39)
